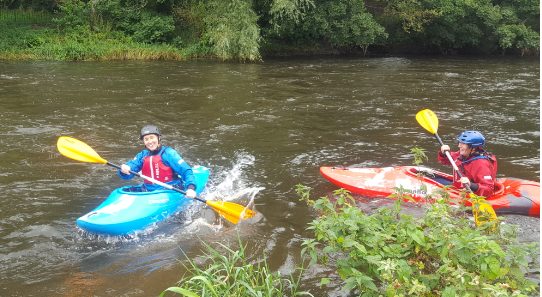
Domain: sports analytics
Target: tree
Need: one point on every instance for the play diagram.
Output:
(339, 23)
(231, 27)
(518, 36)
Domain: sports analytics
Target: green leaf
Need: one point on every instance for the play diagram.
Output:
(342, 274)
(417, 236)
(516, 272)
(390, 291)
(182, 291)
(496, 248)
(368, 282)
(327, 249)
(494, 265)
(449, 292)
(348, 242)
(324, 281)
(444, 252)
(361, 248)
(207, 283)
(248, 287)
(350, 284)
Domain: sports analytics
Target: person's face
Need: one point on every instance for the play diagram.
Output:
(151, 141)
(464, 149)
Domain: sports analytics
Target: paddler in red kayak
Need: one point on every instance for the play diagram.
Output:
(477, 166)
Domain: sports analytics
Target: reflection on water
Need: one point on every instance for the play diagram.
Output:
(260, 129)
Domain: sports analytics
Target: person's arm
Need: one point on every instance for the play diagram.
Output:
(443, 159)
(135, 165)
(482, 180)
(172, 159)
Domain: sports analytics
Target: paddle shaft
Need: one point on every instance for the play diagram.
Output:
(452, 162)
(152, 180)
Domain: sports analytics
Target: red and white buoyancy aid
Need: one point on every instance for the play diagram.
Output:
(154, 167)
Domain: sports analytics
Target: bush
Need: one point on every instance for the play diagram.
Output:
(73, 16)
(441, 254)
(153, 28)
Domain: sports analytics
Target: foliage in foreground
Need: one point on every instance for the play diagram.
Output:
(442, 254)
(229, 274)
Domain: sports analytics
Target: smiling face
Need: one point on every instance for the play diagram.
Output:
(465, 149)
(151, 141)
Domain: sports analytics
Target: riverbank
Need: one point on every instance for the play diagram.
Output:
(32, 42)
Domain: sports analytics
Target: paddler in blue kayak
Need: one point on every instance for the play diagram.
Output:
(478, 167)
(161, 163)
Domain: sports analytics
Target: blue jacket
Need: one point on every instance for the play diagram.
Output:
(170, 158)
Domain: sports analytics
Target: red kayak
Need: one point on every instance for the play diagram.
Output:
(512, 196)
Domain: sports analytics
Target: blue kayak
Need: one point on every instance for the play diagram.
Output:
(125, 212)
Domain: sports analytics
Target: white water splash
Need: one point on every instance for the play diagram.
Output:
(233, 186)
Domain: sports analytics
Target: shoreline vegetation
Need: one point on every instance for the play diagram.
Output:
(250, 30)
(385, 253)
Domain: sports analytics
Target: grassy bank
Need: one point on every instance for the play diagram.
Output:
(44, 42)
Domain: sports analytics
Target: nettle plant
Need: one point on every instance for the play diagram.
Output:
(444, 253)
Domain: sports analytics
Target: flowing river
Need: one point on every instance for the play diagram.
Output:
(261, 129)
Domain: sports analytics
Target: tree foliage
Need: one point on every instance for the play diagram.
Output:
(231, 27)
(237, 29)
(454, 24)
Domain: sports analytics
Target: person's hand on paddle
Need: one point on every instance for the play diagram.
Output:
(443, 149)
(465, 180)
(125, 169)
(190, 193)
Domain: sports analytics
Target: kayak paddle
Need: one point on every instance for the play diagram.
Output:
(429, 121)
(80, 151)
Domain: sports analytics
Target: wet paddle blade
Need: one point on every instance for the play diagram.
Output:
(78, 150)
(484, 212)
(231, 211)
(428, 120)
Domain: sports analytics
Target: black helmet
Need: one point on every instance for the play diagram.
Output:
(149, 129)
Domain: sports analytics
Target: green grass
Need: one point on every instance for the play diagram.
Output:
(228, 273)
(19, 42)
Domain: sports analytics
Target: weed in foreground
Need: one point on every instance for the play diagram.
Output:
(229, 274)
(389, 253)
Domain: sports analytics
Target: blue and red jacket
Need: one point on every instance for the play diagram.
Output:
(166, 166)
(480, 169)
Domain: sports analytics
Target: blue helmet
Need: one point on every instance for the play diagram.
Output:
(473, 138)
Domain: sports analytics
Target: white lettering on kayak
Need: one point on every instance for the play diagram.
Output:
(419, 192)
(158, 201)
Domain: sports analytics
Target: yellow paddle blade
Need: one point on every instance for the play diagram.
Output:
(78, 150)
(484, 212)
(427, 119)
(231, 211)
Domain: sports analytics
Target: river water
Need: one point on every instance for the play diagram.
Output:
(260, 128)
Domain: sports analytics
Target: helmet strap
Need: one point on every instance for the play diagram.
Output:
(156, 151)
